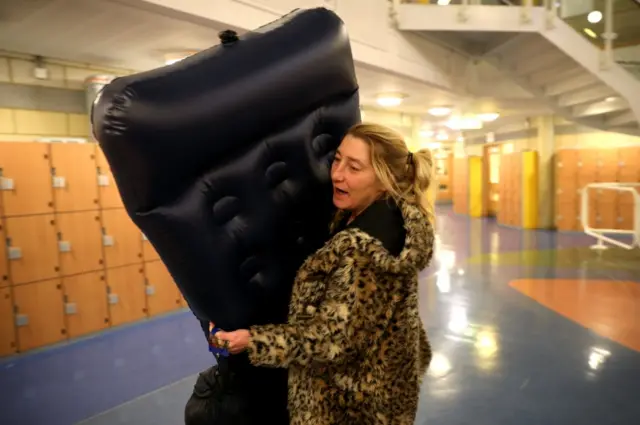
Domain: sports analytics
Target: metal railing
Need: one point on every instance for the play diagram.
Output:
(599, 234)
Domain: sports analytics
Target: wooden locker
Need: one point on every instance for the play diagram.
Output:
(629, 164)
(75, 181)
(567, 217)
(625, 216)
(4, 262)
(607, 171)
(79, 237)
(587, 166)
(607, 215)
(126, 294)
(121, 239)
(149, 253)
(33, 248)
(25, 179)
(85, 303)
(8, 344)
(162, 293)
(109, 196)
(39, 314)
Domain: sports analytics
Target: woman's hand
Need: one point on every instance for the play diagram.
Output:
(237, 341)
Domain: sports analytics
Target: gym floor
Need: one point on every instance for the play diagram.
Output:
(528, 327)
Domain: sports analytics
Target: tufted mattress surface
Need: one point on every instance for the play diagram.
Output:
(222, 160)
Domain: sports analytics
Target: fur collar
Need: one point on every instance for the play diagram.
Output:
(416, 254)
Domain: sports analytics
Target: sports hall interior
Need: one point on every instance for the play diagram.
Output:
(532, 112)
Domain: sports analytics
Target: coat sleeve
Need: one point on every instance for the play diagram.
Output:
(341, 325)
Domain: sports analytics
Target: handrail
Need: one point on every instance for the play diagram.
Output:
(599, 233)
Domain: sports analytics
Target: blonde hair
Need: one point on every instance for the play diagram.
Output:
(405, 176)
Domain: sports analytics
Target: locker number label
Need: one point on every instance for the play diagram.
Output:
(6, 183)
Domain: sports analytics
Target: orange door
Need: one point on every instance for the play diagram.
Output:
(33, 248)
(74, 176)
(162, 293)
(122, 240)
(8, 343)
(85, 303)
(126, 294)
(4, 264)
(79, 242)
(109, 195)
(26, 185)
(39, 314)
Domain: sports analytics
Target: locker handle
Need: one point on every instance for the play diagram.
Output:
(6, 183)
(22, 320)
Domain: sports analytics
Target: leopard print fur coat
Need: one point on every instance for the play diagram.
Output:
(354, 342)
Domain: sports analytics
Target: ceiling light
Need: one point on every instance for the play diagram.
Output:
(426, 133)
(442, 136)
(389, 100)
(440, 111)
(443, 2)
(434, 146)
(590, 33)
(594, 17)
(464, 123)
(487, 117)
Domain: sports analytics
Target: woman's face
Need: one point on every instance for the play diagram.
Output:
(355, 185)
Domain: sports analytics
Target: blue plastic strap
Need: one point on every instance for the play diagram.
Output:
(213, 348)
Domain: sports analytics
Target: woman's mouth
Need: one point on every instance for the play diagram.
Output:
(340, 192)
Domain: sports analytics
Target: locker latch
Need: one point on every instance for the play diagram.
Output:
(22, 320)
(6, 183)
(103, 180)
(13, 252)
(63, 246)
(70, 308)
(59, 182)
(113, 299)
(150, 290)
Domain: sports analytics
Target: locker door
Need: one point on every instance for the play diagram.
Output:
(7, 328)
(126, 294)
(85, 303)
(121, 238)
(109, 195)
(162, 293)
(26, 186)
(79, 242)
(4, 263)
(33, 248)
(149, 253)
(39, 314)
(73, 167)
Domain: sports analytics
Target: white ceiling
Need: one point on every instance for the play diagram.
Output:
(117, 34)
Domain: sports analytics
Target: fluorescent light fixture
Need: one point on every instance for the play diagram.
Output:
(594, 16)
(590, 33)
(434, 145)
(487, 117)
(466, 123)
(440, 111)
(426, 133)
(389, 100)
(443, 2)
(442, 136)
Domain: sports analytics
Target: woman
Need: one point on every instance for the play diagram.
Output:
(354, 343)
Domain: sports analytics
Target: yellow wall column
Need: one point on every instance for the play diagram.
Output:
(475, 186)
(530, 189)
(545, 145)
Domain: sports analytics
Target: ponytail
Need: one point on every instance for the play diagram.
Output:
(422, 186)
